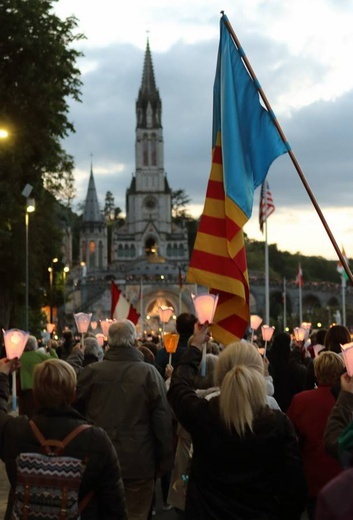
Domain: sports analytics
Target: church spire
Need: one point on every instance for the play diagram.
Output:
(91, 211)
(148, 104)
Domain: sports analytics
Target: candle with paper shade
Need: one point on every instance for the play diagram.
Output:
(100, 339)
(94, 325)
(105, 324)
(255, 322)
(267, 333)
(299, 334)
(165, 313)
(347, 352)
(170, 340)
(15, 341)
(205, 308)
(307, 326)
(82, 320)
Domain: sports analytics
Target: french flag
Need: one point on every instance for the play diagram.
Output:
(121, 308)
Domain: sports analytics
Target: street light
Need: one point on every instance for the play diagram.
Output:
(30, 208)
(51, 278)
(65, 271)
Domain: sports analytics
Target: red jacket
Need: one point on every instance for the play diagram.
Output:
(309, 412)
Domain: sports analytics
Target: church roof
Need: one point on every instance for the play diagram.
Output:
(91, 211)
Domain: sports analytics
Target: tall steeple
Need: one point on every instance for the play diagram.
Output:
(148, 104)
(93, 235)
(91, 211)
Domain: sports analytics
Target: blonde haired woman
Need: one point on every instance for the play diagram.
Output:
(246, 462)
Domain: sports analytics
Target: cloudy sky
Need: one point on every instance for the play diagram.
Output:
(302, 55)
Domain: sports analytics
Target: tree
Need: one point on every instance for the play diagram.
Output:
(38, 76)
(179, 201)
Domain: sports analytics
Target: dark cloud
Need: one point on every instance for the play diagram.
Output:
(320, 134)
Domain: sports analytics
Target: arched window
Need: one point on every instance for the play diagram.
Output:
(151, 248)
(153, 150)
(92, 254)
(120, 251)
(145, 150)
(100, 255)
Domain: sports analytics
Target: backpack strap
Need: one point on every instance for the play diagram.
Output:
(59, 446)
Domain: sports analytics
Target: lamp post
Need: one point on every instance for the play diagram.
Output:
(30, 208)
(65, 271)
(51, 281)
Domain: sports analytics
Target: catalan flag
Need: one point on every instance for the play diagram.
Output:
(245, 142)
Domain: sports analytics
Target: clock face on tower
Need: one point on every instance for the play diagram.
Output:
(150, 202)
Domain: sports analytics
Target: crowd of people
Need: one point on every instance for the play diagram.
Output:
(230, 434)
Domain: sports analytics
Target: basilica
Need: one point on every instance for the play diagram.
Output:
(147, 253)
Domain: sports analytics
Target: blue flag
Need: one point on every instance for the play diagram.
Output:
(249, 139)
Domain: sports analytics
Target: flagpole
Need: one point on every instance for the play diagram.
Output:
(141, 302)
(300, 303)
(290, 152)
(343, 300)
(267, 283)
(284, 304)
(179, 307)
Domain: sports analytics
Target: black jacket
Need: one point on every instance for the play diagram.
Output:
(256, 477)
(102, 473)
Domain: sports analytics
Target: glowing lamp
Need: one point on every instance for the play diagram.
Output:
(347, 352)
(82, 323)
(15, 341)
(94, 325)
(307, 326)
(50, 327)
(267, 333)
(165, 313)
(100, 339)
(255, 321)
(170, 340)
(105, 324)
(299, 333)
(205, 306)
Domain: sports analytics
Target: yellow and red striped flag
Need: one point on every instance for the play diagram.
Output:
(245, 142)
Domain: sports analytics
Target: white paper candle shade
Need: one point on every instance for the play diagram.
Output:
(82, 321)
(347, 352)
(100, 339)
(165, 313)
(94, 325)
(205, 306)
(15, 341)
(255, 321)
(267, 332)
(299, 333)
(105, 324)
(307, 326)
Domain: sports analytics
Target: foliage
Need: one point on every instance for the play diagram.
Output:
(179, 202)
(38, 75)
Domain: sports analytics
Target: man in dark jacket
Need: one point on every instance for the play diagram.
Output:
(54, 389)
(127, 398)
